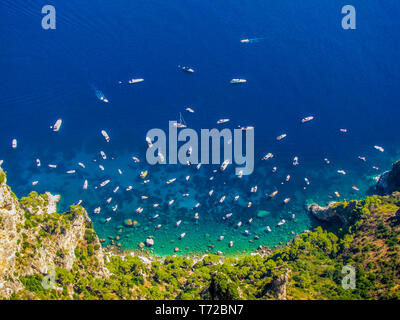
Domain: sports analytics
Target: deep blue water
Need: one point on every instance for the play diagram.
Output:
(304, 64)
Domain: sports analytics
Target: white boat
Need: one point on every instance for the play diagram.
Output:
(186, 69)
(341, 172)
(233, 81)
(181, 123)
(81, 165)
(53, 166)
(296, 161)
(14, 143)
(236, 198)
(101, 167)
(187, 178)
(34, 183)
(109, 200)
(171, 180)
(182, 235)
(222, 199)
(139, 210)
(281, 136)
(268, 229)
(100, 95)
(85, 185)
(38, 164)
(222, 121)
(108, 219)
(178, 223)
(104, 183)
(379, 148)
(105, 135)
(224, 164)
(245, 41)
(57, 125)
(171, 202)
(268, 156)
(97, 210)
(116, 189)
(129, 188)
(71, 171)
(103, 155)
(282, 222)
(135, 159)
(135, 80)
(307, 119)
(210, 192)
(149, 143)
(190, 109)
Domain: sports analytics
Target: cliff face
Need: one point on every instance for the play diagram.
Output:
(389, 181)
(344, 211)
(10, 238)
(34, 238)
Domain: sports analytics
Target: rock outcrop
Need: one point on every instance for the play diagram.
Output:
(340, 210)
(279, 284)
(389, 181)
(34, 238)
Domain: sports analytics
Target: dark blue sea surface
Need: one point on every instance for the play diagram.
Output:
(302, 63)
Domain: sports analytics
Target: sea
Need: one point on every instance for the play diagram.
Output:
(298, 61)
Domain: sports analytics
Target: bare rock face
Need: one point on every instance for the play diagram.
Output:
(342, 211)
(10, 237)
(277, 288)
(279, 284)
(35, 238)
(389, 181)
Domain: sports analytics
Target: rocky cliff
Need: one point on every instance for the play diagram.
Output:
(343, 211)
(35, 239)
(389, 181)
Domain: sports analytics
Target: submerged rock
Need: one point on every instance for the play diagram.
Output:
(128, 222)
(262, 213)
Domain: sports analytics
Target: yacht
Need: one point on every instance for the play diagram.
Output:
(234, 81)
(57, 125)
(135, 80)
(105, 135)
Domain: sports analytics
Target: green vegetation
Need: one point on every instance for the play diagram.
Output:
(369, 242)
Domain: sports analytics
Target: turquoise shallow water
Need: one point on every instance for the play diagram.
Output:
(203, 233)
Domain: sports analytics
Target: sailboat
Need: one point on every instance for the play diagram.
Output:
(181, 123)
